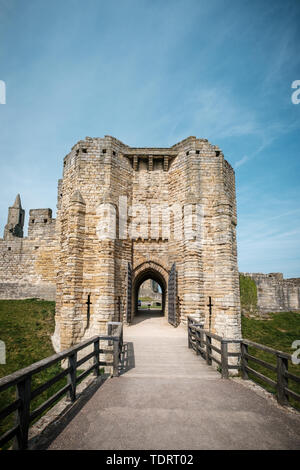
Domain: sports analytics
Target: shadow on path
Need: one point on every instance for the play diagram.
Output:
(168, 398)
(127, 361)
(44, 439)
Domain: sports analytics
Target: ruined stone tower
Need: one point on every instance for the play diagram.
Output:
(15, 221)
(28, 264)
(112, 233)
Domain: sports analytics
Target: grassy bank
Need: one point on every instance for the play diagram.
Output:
(26, 327)
(278, 331)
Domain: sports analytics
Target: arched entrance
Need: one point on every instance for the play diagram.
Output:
(145, 275)
(166, 280)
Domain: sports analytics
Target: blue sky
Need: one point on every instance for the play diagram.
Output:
(152, 72)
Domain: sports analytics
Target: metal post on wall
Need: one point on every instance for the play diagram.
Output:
(210, 305)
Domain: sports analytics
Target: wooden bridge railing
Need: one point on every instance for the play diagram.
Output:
(200, 340)
(21, 379)
(281, 385)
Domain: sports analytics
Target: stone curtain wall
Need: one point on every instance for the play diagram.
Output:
(275, 294)
(28, 266)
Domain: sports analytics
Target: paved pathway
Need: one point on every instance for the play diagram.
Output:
(170, 399)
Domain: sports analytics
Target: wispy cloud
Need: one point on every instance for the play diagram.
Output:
(218, 114)
(152, 73)
(269, 235)
(241, 162)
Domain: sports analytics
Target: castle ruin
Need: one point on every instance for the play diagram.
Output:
(276, 294)
(126, 215)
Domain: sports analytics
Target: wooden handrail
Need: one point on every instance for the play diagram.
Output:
(283, 393)
(200, 340)
(22, 380)
(36, 367)
(267, 349)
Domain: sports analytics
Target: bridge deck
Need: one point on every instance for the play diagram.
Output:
(168, 398)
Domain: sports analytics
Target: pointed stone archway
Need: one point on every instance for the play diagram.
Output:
(140, 274)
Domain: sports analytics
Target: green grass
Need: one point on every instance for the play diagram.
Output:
(278, 332)
(248, 294)
(26, 327)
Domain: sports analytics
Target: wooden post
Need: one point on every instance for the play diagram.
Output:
(189, 333)
(244, 361)
(23, 413)
(224, 359)
(116, 359)
(282, 380)
(96, 358)
(121, 341)
(72, 376)
(202, 342)
(197, 338)
(208, 349)
(111, 331)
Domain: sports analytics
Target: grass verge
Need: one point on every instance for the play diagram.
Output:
(26, 327)
(278, 332)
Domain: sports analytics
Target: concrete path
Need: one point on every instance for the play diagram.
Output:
(168, 398)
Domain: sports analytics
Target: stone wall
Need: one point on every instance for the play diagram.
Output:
(28, 265)
(93, 264)
(276, 294)
(150, 289)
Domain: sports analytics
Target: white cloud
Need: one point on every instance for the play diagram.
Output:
(241, 161)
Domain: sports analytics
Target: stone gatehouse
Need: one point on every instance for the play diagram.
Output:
(126, 215)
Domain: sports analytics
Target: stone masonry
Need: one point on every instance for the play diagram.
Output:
(95, 274)
(93, 263)
(28, 265)
(275, 294)
(150, 289)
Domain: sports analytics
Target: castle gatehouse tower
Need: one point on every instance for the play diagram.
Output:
(126, 215)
